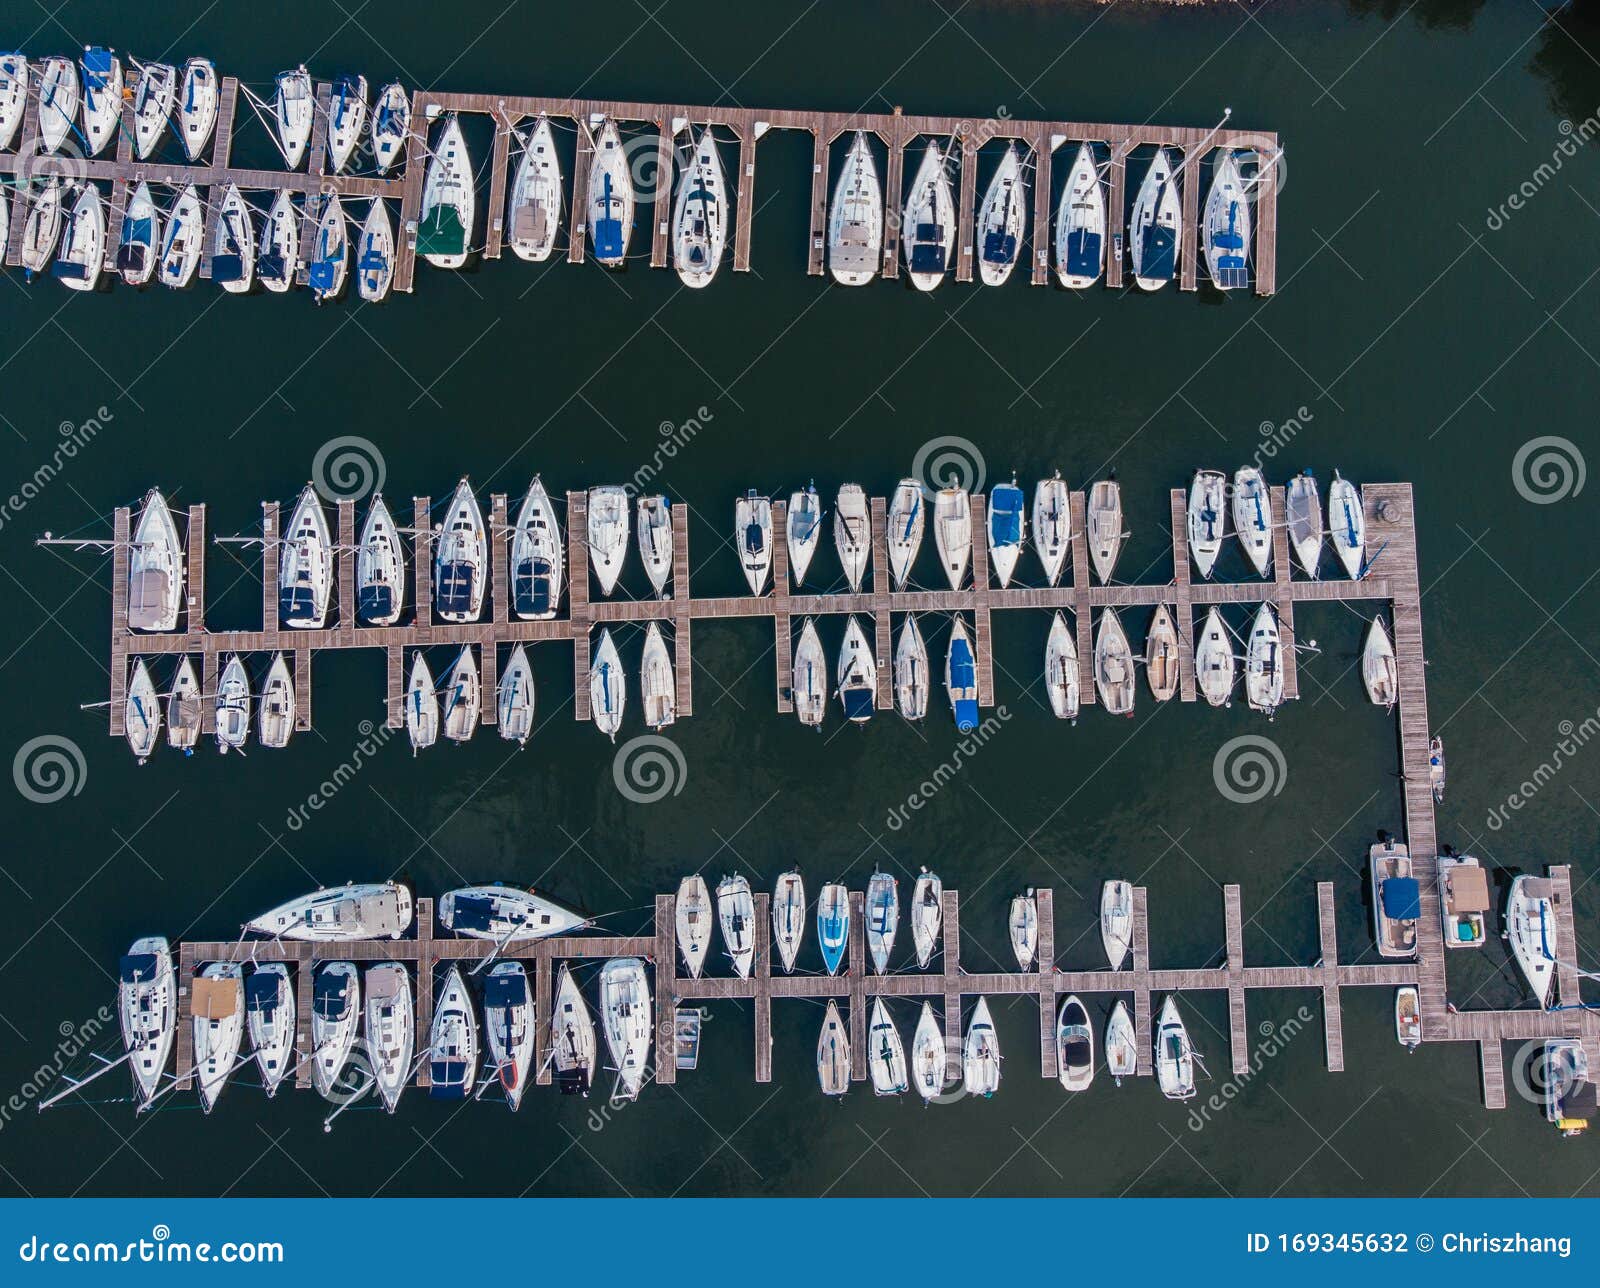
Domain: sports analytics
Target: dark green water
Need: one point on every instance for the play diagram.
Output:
(1422, 344)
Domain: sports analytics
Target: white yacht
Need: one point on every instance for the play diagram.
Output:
(216, 1005)
(626, 1017)
(1008, 529)
(928, 230)
(611, 199)
(102, 97)
(1378, 669)
(952, 533)
(147, 1010)
(658, 686)
(1104, 524)
(233, 250)
(537, 557)
(1347, 524)
(1304, 505)
(390, 125)
(293, 109)
(1113, 665)
(13, 95)
(833, 1052)
(505, 915)
(347, 119)
(275, 713)
(852, 534)
(1214, 663)
(1081, 224)
(857, 686)
(330, 255)
(700, 217)
(1122, 1044)
(905, 522)
(1396, 899)
(752, 533)
(1002, 220)
(1052, 525)
(183, 709)
(270, 1019)
(1061, 669)
(233, 706)
(693, 921)
(736, 915)
(572, 1043)
(930, 1062)
(533, 208)
(462, 701)
(422, 706)
(855, 218)
(911, 684)
(1174, 1054)
(1161, 655)
(655, 540)
(390, 1030)
(789, 917)
(804, 522)
(278, 252)
(1263, 662)
(380, 567)
(1208, 519)
(608, 534)
(449, 200)
(136, 252)
(83, 242)
(1116, 921)
(886, 1054)
(1154, 227)
(182, 239)
(927, 916)
(980, 1054)
(1074, 1046)
(608, 687)
(1463, 900)
(1225, 226)
(883, 918)
(514, 704)
(453, 1041)
(508, 1026)
(1023, 924)
(1252, 517)
(1531, 928)
(59, 93)
(41, 228)
(305, 565)
(340, 914)
(809, 680)
(197, 106)
(461, 561)
(335, 1021)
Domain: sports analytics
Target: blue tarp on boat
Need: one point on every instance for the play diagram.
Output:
(374, 602)
(530, 586)
(330, 995)
(1401, 900)
(227, 268)
(456, 581)
(296, 602)
(261, 991)
(447, 1079)
(1083, 253)
(857, 703)
(1005, 514)
(1160, 252)
(999, 248)
(472, 912)
(506, 990)
(138, 968)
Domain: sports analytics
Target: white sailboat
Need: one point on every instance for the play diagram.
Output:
(533, 209)
(276, 713)
(461, 558)
(340, 914)
(980, 1054)
(852, 534)
(952, 532)
(375, 254)
(1074, 1045)
(83, 242)
(508, 1027)
(883, 918)
(655, 539)
(293, 108)
(1122, 1044)
(183, 708)
(700, 217)
(537, 557)
(929, 1063)
(572, 1039)
(1052, 525)
(278, 253)
(804, 522)
(102, 97)
(927, 916)
(1081, 224)
(752, 533)
(736, 914)
(1226, 226)
(1154, 226)
(929, 225)
(305, 565)
(347, 119)
(608, 534)
(608, 687)
(41, 228)
(59, 93)
(505, 915)
(1023, 925)
(833, 1052)
(380, 567)
(1263, 663)
(809, 678)
(330, 256)
(233, 252)
(1113, 666)
(1531, 928)
(1002, 220)
(1104, 521)
(449, 200)
(1061, 669)
(626, 1017)
(905, 523)
(911, 671)
(453, 1041)
(391, 123)
(1378, 670)
(147, 1011)
(422, 706)
(693, 920)
(611, 200)
(788, 918)
(197, 106)
(1347, 524)
(155, 568)
(270, 1019)
(1161, 655)
(335, 1020)
(136, 253)
(1116, 921)
(886, 1054)
(855, 218)
(1214, 665)
(13, 95)
(216, 1005)
(1304, 505)
(462, 704)
(1008, 528)
(1208, 519)
(390, 1030)
(658, 687)
(182, 238)
(1174, 1054)
(857, 674)
(233, 706)
(1252, 517)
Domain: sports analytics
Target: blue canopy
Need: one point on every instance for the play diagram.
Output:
(857, 703)
(271, 267)
(1229, 238)
(96, 68)
(448, 1079)
(607, 231)
(754, 539)
(138, 968)
(506, 990)
(1160, 252)
(69, 271)
(330, 995)
(375, 601)
(999, 248)
(472, 912)
(227, 268)
(1083, 253)
(323, 273)
(131, 256)
(530, 586)
(296, 601)
(927, 253)
(142, 229)
(1401, 901)
(261, 991)
(456, 581)
(1005, 514)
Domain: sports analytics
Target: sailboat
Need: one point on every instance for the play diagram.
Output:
(736, 915)
(911, 671)
(390, 1030)
(197, 106)
(330, 257)
(805, 528)
(1396, 899)
(1378, 671)
(1305, 520)
(335, 1019)
(155, 568)
(608, 534)
(305, 565)
(1531, 928)
(216, 1005)
(833, 924)
(1122, 1050)
(1061, 669)
(293, 108)
(83, 242)
(1116, 921)
(181, 239)
(1154, 225)
(857, 674)
(270, 1019)
(13, 95)
(961, 678)
(658, 687)
(1263, 663)
(1226, 226)
(59, 92)
(375, 254)
(833, 1052)
(508, 1027)
(929, 1062)
(1208, 519)
(611, 198)
(102, 97)
(1174, 1054)
(905, 523)
(1252, 517)
(1347, 524)
(233, 706)
(422, 706)
(136, 252)
(1023, 923)
(752, 531)
(275, 716)
(340, 914)
(655, 539)
(852, 536)
(147, 1011)
(886, 1055)
(461, 559)
(183, 709)
(1104, 522)
(1081, 224)
(537, 557)
(1113, 666)
(233, 252)
(700, 218)
(626, 1017)
(809, 678)
(449, 200)
(788, 917)
(980, 1054)
(608, 687)
(929, 222)
(1161, 655)
(1214, 664)
(533, 211)
(347, 119)
(505, 915)
(390, 124)
(693, 920)
(41, 229)
(952, 532)
(142, 712)
(855, 218)
(572, 1041)
(883, 918)
(1007, 529)
(927, 916)
(1052, 525)
(278, 253)
(463, 697)
(1002, 220)
(453, 1041)
(1074, 1045)
(380, 567)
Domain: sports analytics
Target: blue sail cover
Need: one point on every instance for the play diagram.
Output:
(1160, 252)
(963, 684)
(1083, 253)
(271, 267)
(831, 933)
(261, 992)
(927, 249)
(857, 703)
(373, 602)
(530, 586)
(472, 912)
(227, 268)
(69, 271)
(344, 91)
(138, 968)
(96, 68)
(330, 995)
(999, 248)
(1401, 901)
(754, 539)
(506, 990)
(456, 580)
(448, 1079)
(607, 231)
(296, 601)
(323, 273)
(1005, 514)
(372, 259)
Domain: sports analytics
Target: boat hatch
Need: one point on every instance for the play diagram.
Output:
(442, 232)
(261, 992)
(1075, 1051)
(448, 1079)
(227, 268)
(999, 248)
(455, 587)
(138, 968)
(331, 996)
(506, 990)
(1401, 900)
(376, 601)
(857, 703)
(1159, 252)
(1083, 253)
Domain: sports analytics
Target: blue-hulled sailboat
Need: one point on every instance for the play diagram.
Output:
(833, 924)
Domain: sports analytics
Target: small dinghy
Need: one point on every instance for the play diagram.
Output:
(461, 558)
(1304, 506)
(102, 97)
(980, 1054)
(1213, 660)
(927, 916)
(1436, 769)
(1263, 663)
(1252, 517)
(1226, 226)
(1463, 900)
(330, 257)
(41, 229)
(929, 1063)
(1052, 525)
(147, 1011)
(804, 522)
(1116, 921)
(340, 914)
(305, 565)
(1531, 928)
(858, 674)
(1104, 522)
(506, 915)
(1122, 1049)
(1074, 1045)
(136, 253)
(197, 106)
(961, 678)
(335, 1020)
(422, 706)
(693, 920)
(1378, 671)
(626, 1015)
(1569, 1090)
(905, 530)
(852, 535)
(855, 218)
(700, 217)
(183, 709)
(275, 717)
(155, 568)
(216, 1004)
(453, 1041)
(1113, 666)
(233, 706)
(390, 1030)
(463, 697)
(278, 253)
(607, 534)
(952, 533)
(380, 568)
(1347, 524)
(929, 226)
(537, 557)
(658, 687)
(608, 687)
(58, 101)
(533, 210)
(833, 924)
(1002, 219)
(736, 915)
(1061, 669)
(610, 199)
(233, 251)
(13, 96)
(83, 242)
(1208, 519)
(833, 1052)
(752, 530)
(391, 123)
(293, 108)
(1154, 225)
(911, 671)
(1007, 529)
(883, 918)
(181, 239)
(449, 200)
(1081, 224)
(886, 1054)
(347, 119)
(508, 1027)
(1161, 655)
(1408, 1017)
(808, 685)
(270, 1018)
(655, 540)
(1396, 900)
(1023, 923)
(1174, 1054)
(788, 918)
(572, 1043)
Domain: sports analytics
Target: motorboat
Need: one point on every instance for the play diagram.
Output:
(1104, 527)
(883, 918)
(1052, 525)
(788, 918)
(1122, 1045)
(380, 567)
(449, 200)
(911, 671)
(1081, 224)
(1263, 662)
(293, 108)
(905, 522)
(233, 706)
(626, 1016)
(852, 535)
(233, 249)
(961, 678)
(655, 540)
(216, 1007)
(422, 706)
(608, 687)
(1436, 769)
(1061, 669)
(1208, 519)
(700, 216)
(952, 533)
(305, 565)
(270, 1019)
(808, 684)
(833, 924)
(736, 915)
(533, 208)
(136, 248)
(347, 119)
(1116, 921)
(1225, 225)
(1531, 928)
(1002, 221)
(804, 522)
(1569, 1091)
(855, 218)
(1113, 665)
(330, 256)
(607, 534)
(461, 558)
(1396, 899)
(927, 916)
(1252, 517)
(83, 242)
(59, 94)
(886, 1054)
(1007, 530)
(1214, 664)
(1174, 1054)
(147, 1011)
(1347, 524)
(1023, 924)
(335, 1021)
(658, 687)
(182, 238)
(833, 1052)
(752, 529)
(508, 1029)
(102, 97)
(183, 708)
(1154, 226)
(340, 914)
(1304, 506)
(572, 1041)
(537, 557)
(611, 199)
(453, 1041)
(1408, 1017)
(278, 251)
(929, 225)
(461, 704)
(275, 714)
(1378, 669)
(1074, 1045)
(930, 1063)
(505, 915)
(1161, 655)
(693, 920)
(980, 1054)
(390, 1030)
(857, 674)
(197, 106)
(390, 123)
